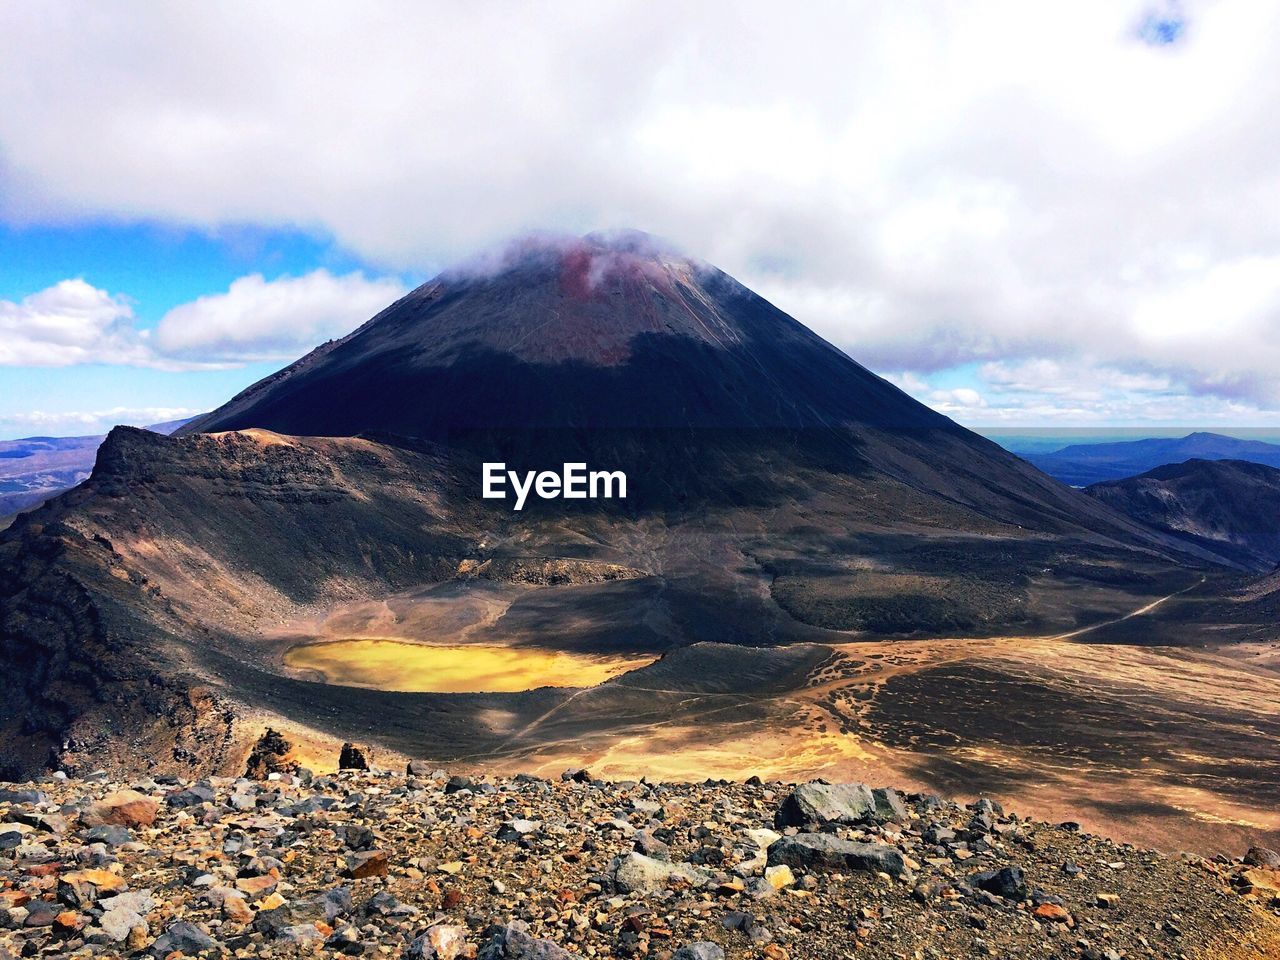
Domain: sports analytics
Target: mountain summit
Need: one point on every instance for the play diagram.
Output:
(595, 332)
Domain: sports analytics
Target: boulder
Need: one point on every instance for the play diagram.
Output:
(182, 937)
(352, 758)
(513, 942)
(813, 804)
(822, 851)
(1006, 882)
(636, 873)
(889, 805)
(124, 808)
(1262, 857)
(439, 942)
(702, 950)
(271, 754)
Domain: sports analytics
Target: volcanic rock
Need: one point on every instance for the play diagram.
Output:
(352, 758)
(636, 873)
(813, 804)
(823, 851)
(124, 808)
(271, 754)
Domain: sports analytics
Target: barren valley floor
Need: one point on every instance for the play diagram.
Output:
(1170, 747)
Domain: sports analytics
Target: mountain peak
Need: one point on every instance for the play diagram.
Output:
(586, 263)
(605, 331)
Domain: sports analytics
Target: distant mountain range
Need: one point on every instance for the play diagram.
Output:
(34, 469)
(1226, 505)
(1083, 464)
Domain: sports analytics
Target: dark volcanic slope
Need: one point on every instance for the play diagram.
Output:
(1085, 463)
(1227, 504)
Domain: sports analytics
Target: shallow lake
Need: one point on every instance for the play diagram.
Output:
(464, 668)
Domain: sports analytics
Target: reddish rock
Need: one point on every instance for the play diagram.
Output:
(367, 863)
(1052, 913)
(257, 886)
(69, 922)
(124, 808)
(13, 898)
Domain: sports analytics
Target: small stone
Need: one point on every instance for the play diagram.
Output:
(779, 876)
(514, 942)
(1108, 901)
(192, 796)
(257, 886)
(439, 942)
(235, 908)
(112, 835)
(1054, 913)
(456, 784)
(515, 830)
(80, 888)
(116, 923)
(40, 913)
(69, 922)
(701, 950)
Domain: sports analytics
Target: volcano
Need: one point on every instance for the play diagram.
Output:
(617, 351)
(782, 504)
(574, 334)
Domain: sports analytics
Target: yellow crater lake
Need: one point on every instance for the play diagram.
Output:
(467, 668)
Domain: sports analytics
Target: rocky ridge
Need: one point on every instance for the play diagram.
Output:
(427, 865)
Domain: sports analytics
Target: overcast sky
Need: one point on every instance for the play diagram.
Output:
(1024, 213)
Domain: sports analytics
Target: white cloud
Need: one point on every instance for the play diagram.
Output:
(68, 323)
(1081, 391)
(64, 419)
(256, 319)
(956, 401)
(927, 185)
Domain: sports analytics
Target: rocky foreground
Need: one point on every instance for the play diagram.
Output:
(425, 865)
